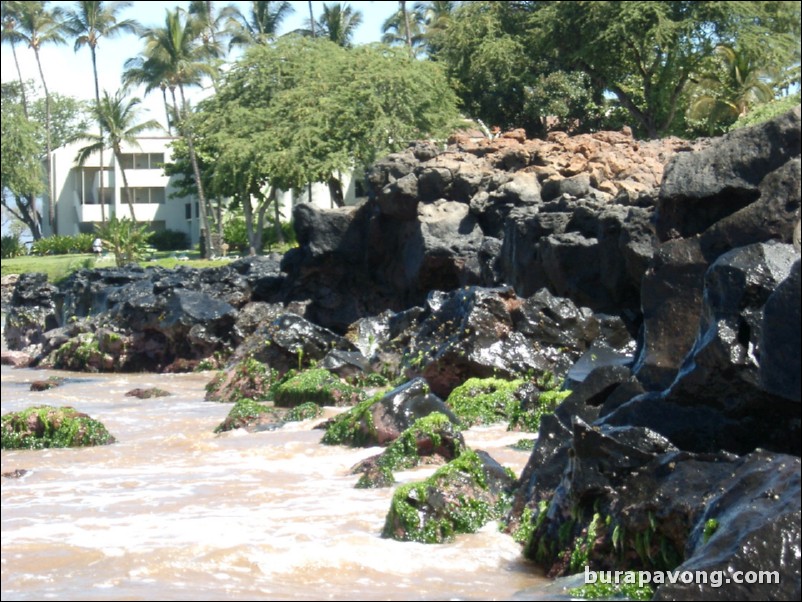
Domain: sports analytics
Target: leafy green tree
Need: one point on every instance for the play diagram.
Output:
(37, 26)
(118, 117)
(646, 53)
(303, 109)
(88, 23)
(339, 22)
(21, 168)
(500, 80)
(25, 145)
(68, 116)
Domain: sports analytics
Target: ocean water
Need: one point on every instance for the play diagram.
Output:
(173, 511)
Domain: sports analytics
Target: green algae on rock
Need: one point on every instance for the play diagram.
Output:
(433, 437)
(461, 497)
(316, 385)
(484, 400)
(249, 379)
(42, 427)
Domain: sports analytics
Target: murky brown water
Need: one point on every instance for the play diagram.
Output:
(174, 512)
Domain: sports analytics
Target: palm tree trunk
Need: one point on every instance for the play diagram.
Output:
(311, 19)
(51, 205)
(193, 158)
(118, 153)
(407, 32)
(21, 81)
(247, 209)
(167, 109)
(100, 127)
(277, 213)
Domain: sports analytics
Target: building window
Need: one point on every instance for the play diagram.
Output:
(188, 210)
(142, 161)
(148, 196)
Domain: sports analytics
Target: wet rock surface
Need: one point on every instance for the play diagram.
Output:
(665, 465)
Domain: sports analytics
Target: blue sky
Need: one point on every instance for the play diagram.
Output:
(70, 73)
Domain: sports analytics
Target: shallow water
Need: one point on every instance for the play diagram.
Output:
(173, 511)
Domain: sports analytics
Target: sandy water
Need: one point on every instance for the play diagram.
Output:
(173, 511)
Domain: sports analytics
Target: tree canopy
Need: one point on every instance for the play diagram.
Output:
(516, 62)
(303, 109)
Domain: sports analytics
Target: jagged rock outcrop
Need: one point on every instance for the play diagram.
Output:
(638, 467)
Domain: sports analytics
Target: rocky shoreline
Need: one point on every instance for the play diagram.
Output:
(660, 279)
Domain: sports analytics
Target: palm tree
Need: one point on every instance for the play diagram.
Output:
(436, 17)
(10, 24)
(312, 20)
(88, 22)
(339, 22)
(724, 95)
(402, 7)
(175, 57)
(118, 117)
(37, 26)
(260, 25)
(394, 28)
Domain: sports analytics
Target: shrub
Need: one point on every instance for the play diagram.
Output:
(63, 245)
(127, 239)
(169, 240)
(11, 246)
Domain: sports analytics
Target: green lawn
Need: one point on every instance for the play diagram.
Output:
(58, 267)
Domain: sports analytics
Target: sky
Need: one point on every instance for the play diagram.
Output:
(70, 73)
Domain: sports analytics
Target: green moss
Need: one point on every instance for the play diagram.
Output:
(583, 546)
(305, 411)
(484, 400)
(529, 419)
(245, 412)
(249, 378)
(524, 444)
(530, 522)
(711, 526)
(316, 385)
(627, 588)
(375, 479)
(46, 426)
(402, 453)
(413, 518)
(83, 354)
(354, 427)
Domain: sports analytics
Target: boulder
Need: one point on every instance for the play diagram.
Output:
(439, 247)
(479, 332)
(34, 311)
(671, 299)
(431, 439)
(717, 400)
(705, 187)
(291, 341)
(46, 426)
(780, 336)
(460, 497)
(381, 419)
(750, 526)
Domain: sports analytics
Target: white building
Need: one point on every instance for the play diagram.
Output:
(77, 190)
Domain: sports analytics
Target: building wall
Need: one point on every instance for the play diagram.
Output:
(77, 191)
